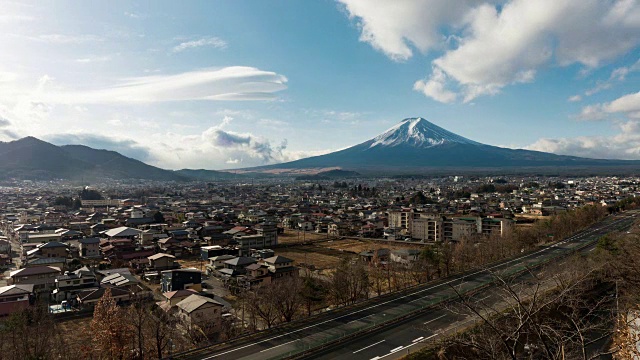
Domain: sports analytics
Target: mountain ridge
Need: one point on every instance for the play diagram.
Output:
(416, 143)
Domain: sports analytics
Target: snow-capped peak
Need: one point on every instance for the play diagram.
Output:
(418, 132)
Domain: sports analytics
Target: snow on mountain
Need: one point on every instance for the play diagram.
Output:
(419, 133)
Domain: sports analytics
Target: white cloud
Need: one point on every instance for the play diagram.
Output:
(617, 75)
(14, 18)
(575, 98)
(627, 105)
(93, 59)
(213, 41)
(393, 27)
(592, 112)
(624, 145)
(434, 87)
(496, 46)
(230, 83)
(219, 145)
(68, 39)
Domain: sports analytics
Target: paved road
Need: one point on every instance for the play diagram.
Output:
(394, 340)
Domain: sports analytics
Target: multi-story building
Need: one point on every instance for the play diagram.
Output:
(401, 219)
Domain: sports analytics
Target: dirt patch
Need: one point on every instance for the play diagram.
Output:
(295, 237)
(357, 246)
(320, 258)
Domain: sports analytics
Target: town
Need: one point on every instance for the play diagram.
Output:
(216, 260)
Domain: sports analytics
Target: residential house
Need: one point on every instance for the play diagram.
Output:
(56, 262)
(15, 298)
(162, 261)
(405, 256)
(179, 279)
(174, 297)
(89, 247)
(52, 249)
(170, 246)
(43, 278)
(236, 266)
(72, 283)
(200, 310)
(89, 298)
(122, 232)
(270, 269)
(376, 257)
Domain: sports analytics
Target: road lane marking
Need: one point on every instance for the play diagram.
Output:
(418, 339)
(279, 345)
(366, 347)
(401, 348)
(439, 317)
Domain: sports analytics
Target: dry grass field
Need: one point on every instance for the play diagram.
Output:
(355, 245)
(319, 257)
(293, 236)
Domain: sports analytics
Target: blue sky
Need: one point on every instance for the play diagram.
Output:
(224, 84)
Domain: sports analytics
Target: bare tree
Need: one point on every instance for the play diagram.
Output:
(551, 318)
(287, 297)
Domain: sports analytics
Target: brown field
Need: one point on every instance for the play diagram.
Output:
(327, 255)
(293, 236)
(356, 245)
(321, 258)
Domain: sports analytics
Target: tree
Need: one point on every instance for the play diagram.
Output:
(90, 194)
(30, 334)
(313, 291)
(63, 201)
(350, 282)
(138, 316)
(158, 218)
(287, 297)
(160, 327)
(558, 316)
(112, 333)
(77, 204)
(261, 305)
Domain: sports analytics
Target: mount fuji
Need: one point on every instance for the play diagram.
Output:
(416, 143)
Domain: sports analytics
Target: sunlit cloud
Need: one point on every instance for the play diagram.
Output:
(230, 83)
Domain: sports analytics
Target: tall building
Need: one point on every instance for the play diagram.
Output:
(401, 219)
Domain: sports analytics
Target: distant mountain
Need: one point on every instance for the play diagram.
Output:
(117, 166)
(31, 158)
(418, 144)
